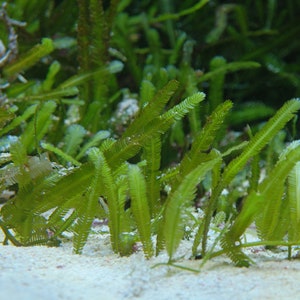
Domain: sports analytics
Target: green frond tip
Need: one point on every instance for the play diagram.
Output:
(60, 153)
(30, 58)
(181, 109)
(153, 109)
(73, 139)
(204, 140)
(94, 141)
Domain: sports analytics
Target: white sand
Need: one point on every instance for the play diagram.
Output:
(55, 273)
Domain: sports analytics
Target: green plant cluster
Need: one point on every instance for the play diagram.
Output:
(104, 114)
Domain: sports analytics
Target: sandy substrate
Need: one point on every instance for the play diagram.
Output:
(55, 273)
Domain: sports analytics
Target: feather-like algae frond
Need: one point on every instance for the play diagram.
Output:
(73, 139)
(5, 116)
(110, 191)
(270, 129)
(269, 218)
(276, 123)
(140, 207)
(71, 184)
(94, 141)
(18, 120)
(30, 58)
(60, 153)
(181, 109)
(86, 212)
(127, 147)
(38, 127)
(178, 201)
(263, 206)
(204, 140)
(294, 202)
(152, 155)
